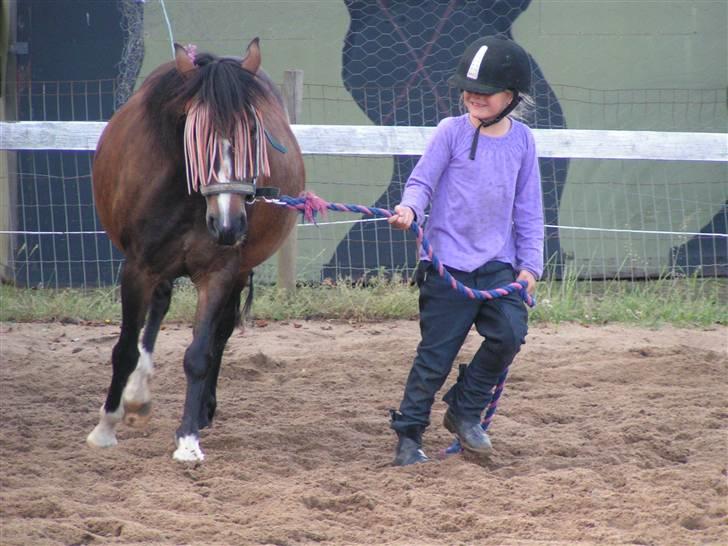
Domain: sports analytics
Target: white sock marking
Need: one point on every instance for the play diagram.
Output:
(104, 434)
(188, 449)
(137, 387)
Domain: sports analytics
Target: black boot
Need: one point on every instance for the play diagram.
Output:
(471, 435)
(409, 447)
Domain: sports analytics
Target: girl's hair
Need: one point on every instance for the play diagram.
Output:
(525, 109)
(523, 112)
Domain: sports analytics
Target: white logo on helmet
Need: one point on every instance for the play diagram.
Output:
(476, 62)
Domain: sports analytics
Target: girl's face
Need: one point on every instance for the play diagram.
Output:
(481, 106)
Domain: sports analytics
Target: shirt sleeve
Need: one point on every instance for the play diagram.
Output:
(528, 213)
(422, 182)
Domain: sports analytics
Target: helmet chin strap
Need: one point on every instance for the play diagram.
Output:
(487, 123)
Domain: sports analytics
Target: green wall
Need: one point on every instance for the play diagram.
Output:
(616, 64)
(653, 66)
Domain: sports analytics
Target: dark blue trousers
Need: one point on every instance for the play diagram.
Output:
(445, 320)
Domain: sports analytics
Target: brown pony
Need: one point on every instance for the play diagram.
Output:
(207, 123)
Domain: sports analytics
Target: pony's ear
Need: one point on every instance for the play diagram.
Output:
(251, 62)
(182, 59)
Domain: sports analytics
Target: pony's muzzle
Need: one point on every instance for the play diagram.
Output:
(227, 229)
(226, 217)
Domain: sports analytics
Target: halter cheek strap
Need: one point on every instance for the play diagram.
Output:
(487, 123)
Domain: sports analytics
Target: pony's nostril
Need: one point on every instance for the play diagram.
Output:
(226, 238)
(212, 225)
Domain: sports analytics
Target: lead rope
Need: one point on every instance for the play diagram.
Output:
(310, 205)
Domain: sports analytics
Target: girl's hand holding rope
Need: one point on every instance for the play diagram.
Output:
(526, 275)
(402, 218)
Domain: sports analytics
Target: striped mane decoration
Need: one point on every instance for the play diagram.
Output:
(204, 147)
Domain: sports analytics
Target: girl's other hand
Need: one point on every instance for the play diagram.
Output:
(527, 276)
(402, 218)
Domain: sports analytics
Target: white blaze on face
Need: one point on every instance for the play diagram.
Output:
(224, 174)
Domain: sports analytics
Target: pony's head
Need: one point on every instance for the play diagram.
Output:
(224, 136)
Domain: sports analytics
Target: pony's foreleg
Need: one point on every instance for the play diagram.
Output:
(137, 396)
(197, 366)
(124, 357)
(228, 320)
(212, 305)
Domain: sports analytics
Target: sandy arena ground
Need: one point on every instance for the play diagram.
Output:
(605, 435)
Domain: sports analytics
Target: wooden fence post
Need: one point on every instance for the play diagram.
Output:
(293, 97)
(8, 160)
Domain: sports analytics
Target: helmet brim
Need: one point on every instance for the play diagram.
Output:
(473, 86)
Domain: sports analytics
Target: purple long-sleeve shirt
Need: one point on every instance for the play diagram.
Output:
(484, 209)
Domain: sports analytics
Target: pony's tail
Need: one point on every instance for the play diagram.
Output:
(249, 298)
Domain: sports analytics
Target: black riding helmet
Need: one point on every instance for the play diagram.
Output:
(491, 65)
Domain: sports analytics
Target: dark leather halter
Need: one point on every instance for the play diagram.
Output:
(247, 188)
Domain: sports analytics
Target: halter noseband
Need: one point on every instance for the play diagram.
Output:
(239, 187)
(246, 188)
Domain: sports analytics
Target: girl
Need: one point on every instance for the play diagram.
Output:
(479, 174)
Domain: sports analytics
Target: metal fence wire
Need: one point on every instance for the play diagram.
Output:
(621, 218)
(604, 218)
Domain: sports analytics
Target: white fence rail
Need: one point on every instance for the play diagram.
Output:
(666, 212)
(399, 140)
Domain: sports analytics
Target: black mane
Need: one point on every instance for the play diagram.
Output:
(220, 83)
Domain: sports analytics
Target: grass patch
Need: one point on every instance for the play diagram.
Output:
(691, 302)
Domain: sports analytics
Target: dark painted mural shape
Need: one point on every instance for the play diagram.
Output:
(397, 57)
(67, 74)
(705, 254)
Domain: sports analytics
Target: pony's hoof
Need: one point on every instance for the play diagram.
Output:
(188, 450)
(101, 437)
(137, 415)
